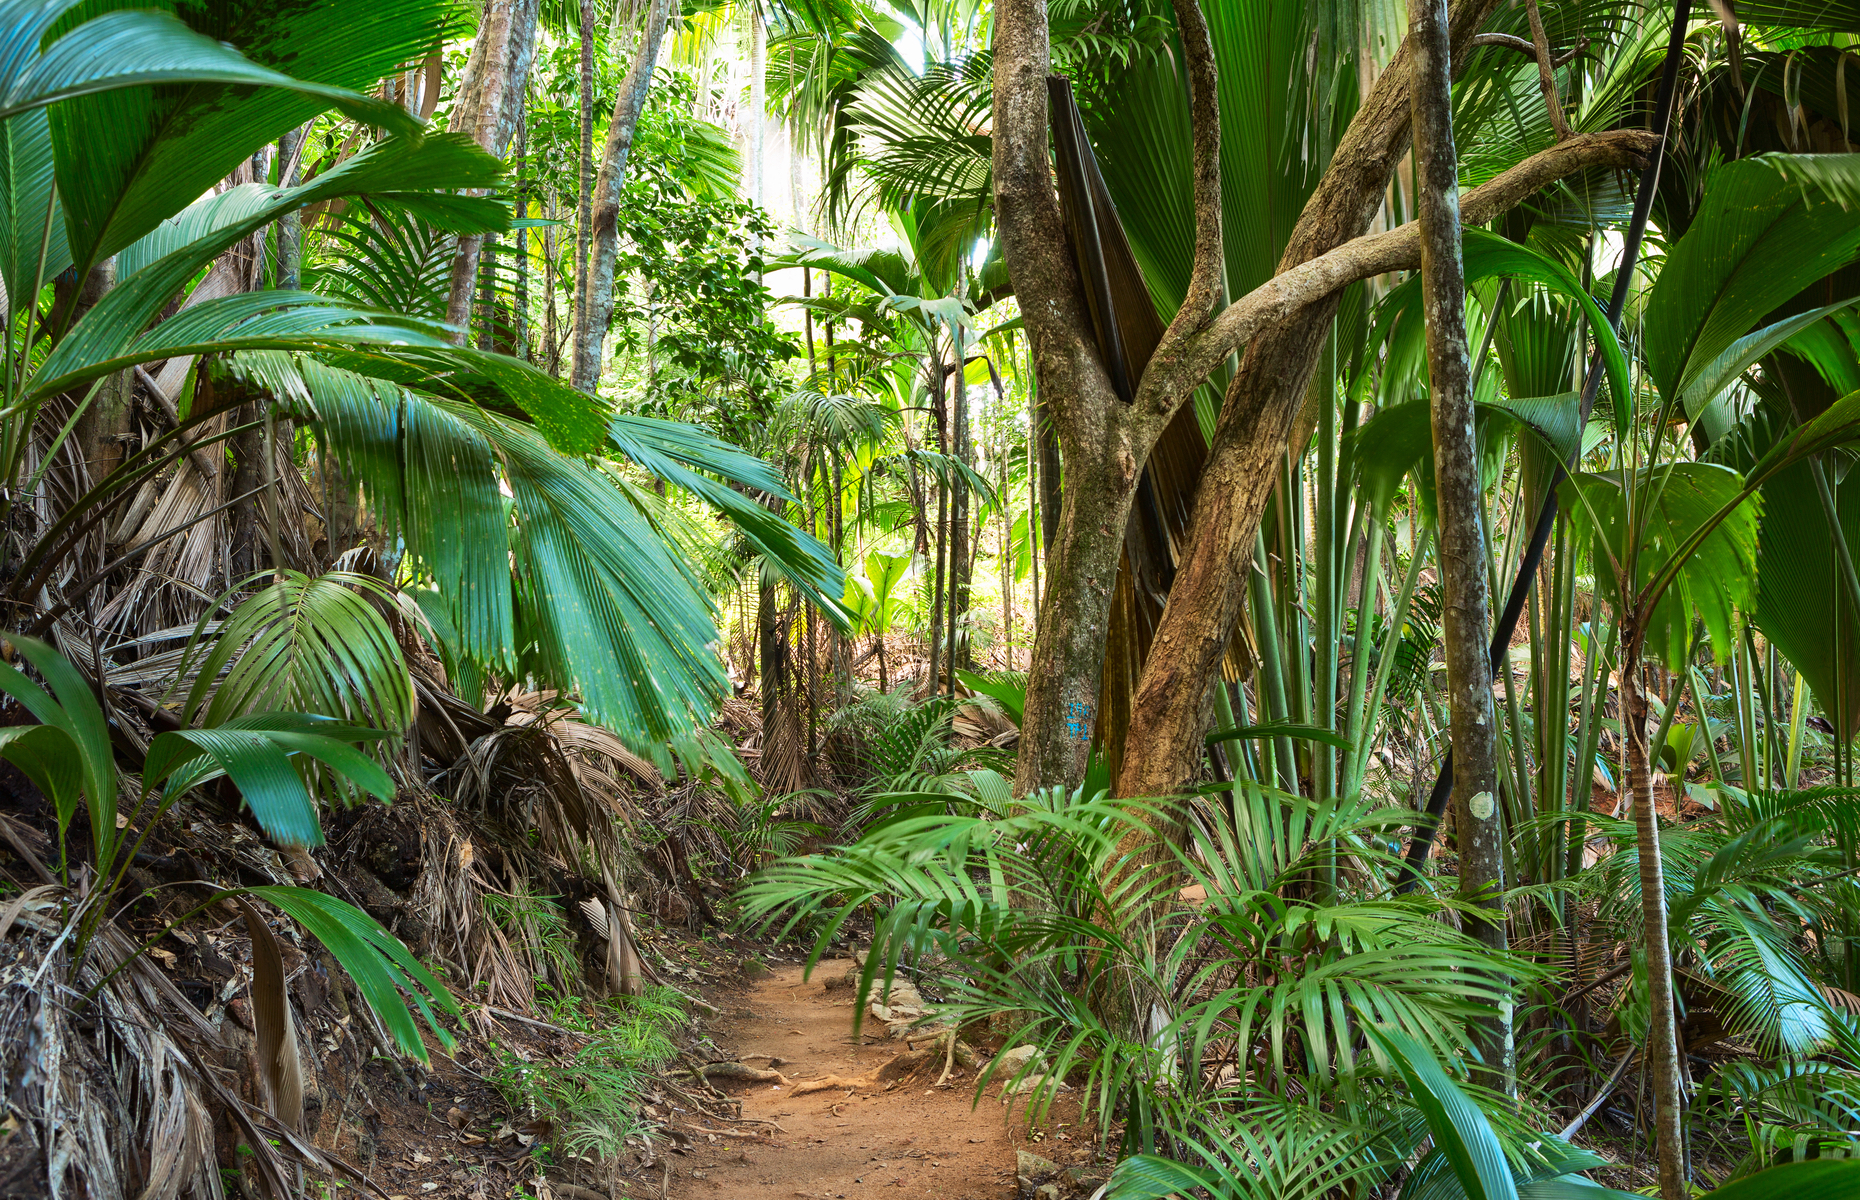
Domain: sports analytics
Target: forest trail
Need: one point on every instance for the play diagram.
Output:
(884, 1140)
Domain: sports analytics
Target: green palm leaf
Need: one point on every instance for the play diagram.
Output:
(1826, 1179)
(1767, 228)
(128, 49)
(131, 157)
(1461, 1131)
(76, 714)
(306, 645)
(26, 191)
(384, 972)
(256, 753)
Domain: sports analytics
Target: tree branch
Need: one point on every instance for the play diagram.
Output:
(1176, 375)
(1506, 41)
(1546, 71)
(1205, 280)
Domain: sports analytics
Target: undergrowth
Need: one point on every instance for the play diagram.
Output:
(593, 1099)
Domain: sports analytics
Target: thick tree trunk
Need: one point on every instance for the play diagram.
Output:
(1465, 605)
(1170, 713)
(490, 101)
(1282, 324)
(1067, 667)
(1662, 1033)
(1102, 459)
(596, 311)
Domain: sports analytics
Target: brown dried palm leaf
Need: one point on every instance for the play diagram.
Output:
(115, 1098)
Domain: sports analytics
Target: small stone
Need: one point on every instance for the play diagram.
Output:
(1032, 1082)
(1009, 1062)
(1033, 1167)
(1046, 1191)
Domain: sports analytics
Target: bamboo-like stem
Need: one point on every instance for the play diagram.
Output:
(1662, 1033)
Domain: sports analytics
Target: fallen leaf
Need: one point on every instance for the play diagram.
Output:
(419, 1158)
(455, 1117)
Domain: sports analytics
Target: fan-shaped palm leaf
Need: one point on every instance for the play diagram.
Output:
(306, 645)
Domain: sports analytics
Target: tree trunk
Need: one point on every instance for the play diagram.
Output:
(940, 535)
(551, 337)
(754, 123)
(1103, 460)
(1170, 713)
(772, 662)
(291, 224)
(1662, 1033)
(106, 424)
(596, 311)
(1464, 601)
(959, 563)
(519, 331)
(1006, 505)
(490, 99)
(248, 453)
(584, 210)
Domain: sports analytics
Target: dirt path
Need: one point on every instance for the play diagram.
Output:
(910, 1138)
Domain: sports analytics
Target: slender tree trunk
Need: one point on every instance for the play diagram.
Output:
(596, 311)
(551, 334)
(959, 558)
(489, 104)
(291, 224)
(520, 238)
(769, 652)
(1662, 1033)
(1007, 555)
(584, 207)
(940, 533)
(1464, 599)
(102, 431)
(754, 122)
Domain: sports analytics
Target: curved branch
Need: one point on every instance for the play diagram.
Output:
(1506, 41)
(1173, 376)
(1205, 281)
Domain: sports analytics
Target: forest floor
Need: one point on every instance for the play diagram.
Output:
(886, 1131)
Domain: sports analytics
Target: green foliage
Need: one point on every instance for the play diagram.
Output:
(1687, 523)
(68, 756)
(1766, 229)
(690, 276)
(594, 1097)
(567, 578)
(902, 744)
(540, 926)
(312, 645)
(1034, 917)
(383, 970)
